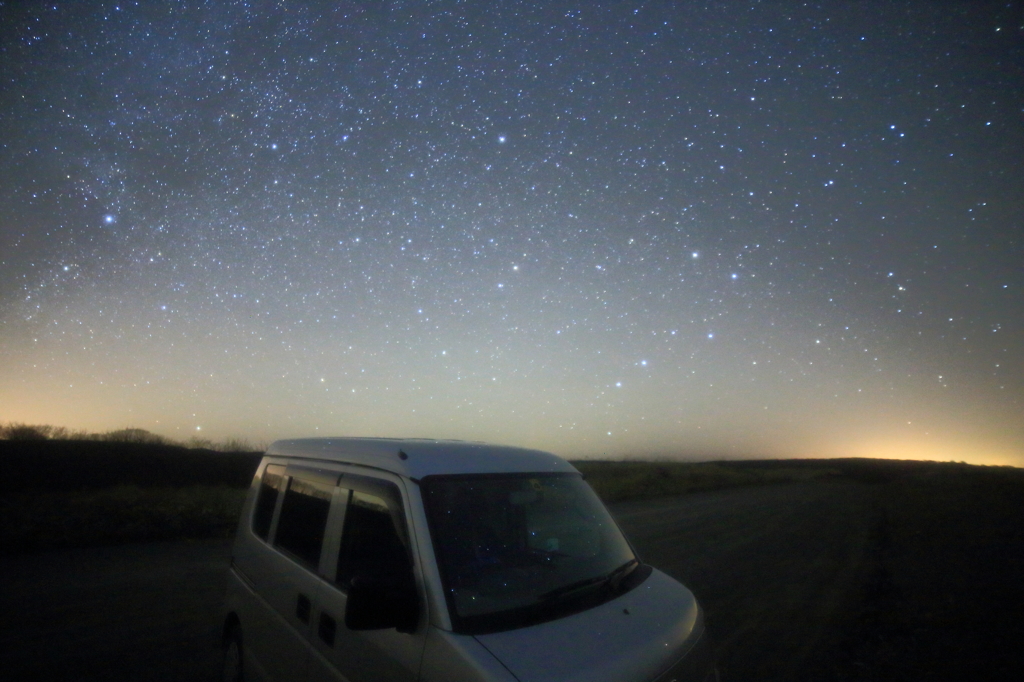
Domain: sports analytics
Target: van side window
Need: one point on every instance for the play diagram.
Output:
(270, 486)
(371, 545)
(300, 529)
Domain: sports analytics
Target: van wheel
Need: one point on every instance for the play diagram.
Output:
(232, 671)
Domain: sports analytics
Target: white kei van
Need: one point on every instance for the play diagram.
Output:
(372, 560)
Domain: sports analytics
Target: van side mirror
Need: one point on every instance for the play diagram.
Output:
(374, 604)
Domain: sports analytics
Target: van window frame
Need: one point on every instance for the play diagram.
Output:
(343, 481)
(391, 493)
(314, 474)
(276, 470)
(323, 484)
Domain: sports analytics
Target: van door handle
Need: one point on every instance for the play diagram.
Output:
(302, 608)
(327, 628)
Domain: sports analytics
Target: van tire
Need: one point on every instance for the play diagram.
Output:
(232, 669)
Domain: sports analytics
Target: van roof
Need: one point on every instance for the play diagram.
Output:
(416, 458)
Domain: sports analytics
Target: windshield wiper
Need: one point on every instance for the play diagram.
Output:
(612, 579)
(616, 577)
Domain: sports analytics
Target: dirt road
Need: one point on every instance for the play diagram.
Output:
(778, 569)
(775, 567)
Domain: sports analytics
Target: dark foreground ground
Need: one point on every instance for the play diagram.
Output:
(833, 579)
(130, 612)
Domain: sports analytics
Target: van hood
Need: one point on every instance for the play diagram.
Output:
(634, 637)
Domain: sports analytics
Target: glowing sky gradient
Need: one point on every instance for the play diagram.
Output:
(600, 228)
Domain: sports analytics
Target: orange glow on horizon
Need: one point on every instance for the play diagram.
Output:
(929, 450)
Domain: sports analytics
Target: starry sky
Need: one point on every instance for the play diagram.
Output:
(739, 229)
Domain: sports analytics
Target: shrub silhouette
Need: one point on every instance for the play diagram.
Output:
(131, 435)
(134, 435)
(26, 432)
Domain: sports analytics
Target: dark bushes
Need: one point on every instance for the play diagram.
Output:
(50, 465)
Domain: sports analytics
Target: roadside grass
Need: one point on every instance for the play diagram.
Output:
(116, 515)
(71, 465)
(618, 481)
(70, 493)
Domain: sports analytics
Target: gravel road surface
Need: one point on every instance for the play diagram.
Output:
(778, 569)
(133, 612)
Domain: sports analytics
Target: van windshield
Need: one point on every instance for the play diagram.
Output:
(519, 549)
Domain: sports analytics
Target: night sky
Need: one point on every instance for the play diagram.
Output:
(773, 229)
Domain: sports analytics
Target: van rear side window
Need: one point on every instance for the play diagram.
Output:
(270, 487)
(300, 529)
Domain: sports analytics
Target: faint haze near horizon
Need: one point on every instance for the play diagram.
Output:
(609, 229)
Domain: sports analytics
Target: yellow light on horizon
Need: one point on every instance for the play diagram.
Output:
(930, 450)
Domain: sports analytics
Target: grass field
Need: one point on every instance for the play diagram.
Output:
(64, 493)
(615, 481)
(116, 515)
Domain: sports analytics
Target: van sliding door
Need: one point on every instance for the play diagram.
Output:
(290, 579)
(374, 544)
